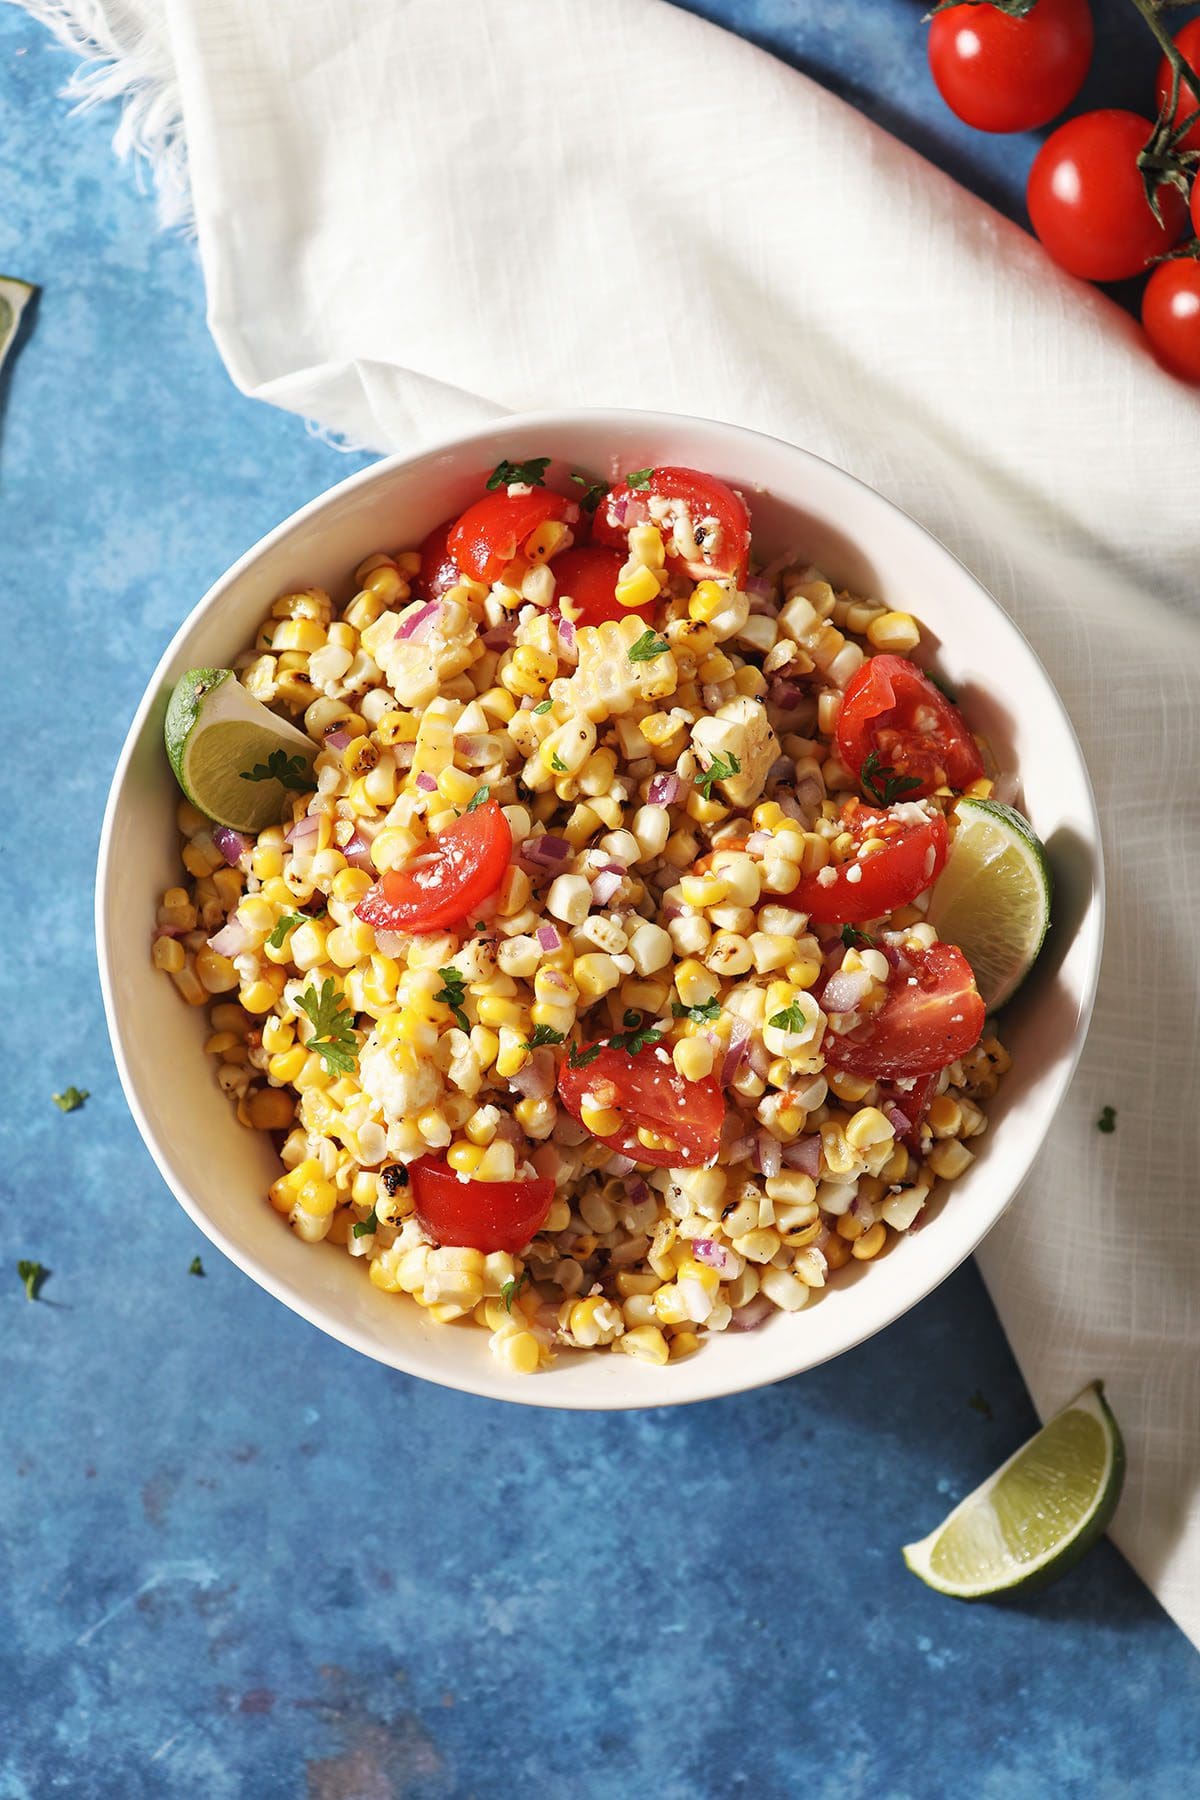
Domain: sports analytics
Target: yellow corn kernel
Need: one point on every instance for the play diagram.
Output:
(517, 1351)
(495, 1010)
(259, 997)
(847, 1086)
(693, 1058)
(870, 1243)
(168, 955)
(897, 632)
(645, 1343)
(215, 971)
(638, 587)
(277, 1035)
(396, 727)
(594, 1321)
(683, 1343)
(464, 1158)
(704, 890)
(949, 1159)
(318, 1197)
(270, 1109)
(669, 1306)
(663, 732)
(513, 1052)
(696, 985)
(704, 811)
(285, 1065)
(646, 546)
(945, 1115)
(708, 599)
(595, 975)
(869, 1127)
(498, 704)
(456, 786)
(601, 1121)
(530, 672)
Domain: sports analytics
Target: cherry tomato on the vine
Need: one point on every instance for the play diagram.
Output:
(1005, 72)
(1171, 314)
(1187, 42)
(1087, 202)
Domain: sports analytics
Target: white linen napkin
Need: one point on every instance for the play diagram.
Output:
(416, 216)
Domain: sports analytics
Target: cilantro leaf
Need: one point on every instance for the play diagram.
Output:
(511, 1289)
(531, 473)
(71, 1099)
(453, 994)
(477, 798)
(289, 771)
(544, 706)
(719, 769)
(636, 1036)
(33, 1274)
(593, 491)
(1107, 1120)
(704, 1014)
(640, 478)
(854, 939)
(543, 1034)
(881, 783)
(284, 923)
(647, 647)
(557, 763)
(195, 1267)
(366, 1227)
(792, 1019)
(335, 1040)
(579, 1059)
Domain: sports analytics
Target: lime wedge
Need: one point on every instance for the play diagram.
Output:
(992, 898)
(233, 757)
(1036, 1515)
(14, 298)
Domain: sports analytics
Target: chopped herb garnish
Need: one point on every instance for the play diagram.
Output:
(542, 1035)
(557, 763)
(579, 1059)
(511, 1289)
(792, 1019)
(719, 769)
(453, 995)
(366, 1227)
(284, 923)
(978, 1403)
(33, 1274)
(478, 797)
(881, 783)
(704, 1014)
(335, 1040)
(529, 474)
(640, 478)
(647, 647)
(544, 706)
(636, 1036)
(854, 939)
(593, 491)
(71, 1099)
(1107, 1120)
(195, 1267)
(394, 1177)
(289, 771)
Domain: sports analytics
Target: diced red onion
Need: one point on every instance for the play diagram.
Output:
(758, 843)
(545, 849)
(233, 939)
(666, 790)
(899, 1121)
(617, 508)
(357, 852)
(390, 942)
(785, 694)
(621, 1165)
(419, 624)
(740, 1149)
(770, 1154)
(171, 931)
(760, 1059)
(805, 1155)
(844, 992)
(566, 636)
(782, 769)
(303, 829)
(809, 792)
(739, 1037)
(497, 637)
(714, 1256)
(548, 938)
(752, 1315)
(758, 587)
(712, 695)
(637, 1190)
(605, 885)
(232, 844)
(427, 782)
(336, 739)
(535, 1080)
(789, 805)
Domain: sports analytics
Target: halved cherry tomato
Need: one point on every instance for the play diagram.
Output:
(931, 1016)
(481, 1215)
(726, 547)
(647, 1090)
(589, 578)
(913, 855)
(913, 1101)
(489, 534)
(449, 876)
(438, 570)
(890, 708)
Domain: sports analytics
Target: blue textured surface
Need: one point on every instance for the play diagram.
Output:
(237, 1560)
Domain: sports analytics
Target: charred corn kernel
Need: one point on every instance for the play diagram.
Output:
(708, 599)
(258, 996)
(396, 727)
(360, 756)
(516, 1351)
(168, 954)
(601, 1121)
(695, 984)
(271, 1109)
(847, 1086)
(693, 1058)
(530, 672)
(683, 1343)
(897, 632)
(645, 1343)
(791, 1188)
(870, 1243)
(949, 1159)
(637, 587)
(868, 1127)
(285, 1065)
(945, 1115)
(595, 975)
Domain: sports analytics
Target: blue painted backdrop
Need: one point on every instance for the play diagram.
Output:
(239, 1560)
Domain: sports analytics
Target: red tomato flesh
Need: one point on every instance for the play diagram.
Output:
(1087, 203)
(1003, 73)
(489, 534)
(1187, 42)
(913, 1101)
(589, 578)
(1171, 311)
(890, 708)
(932, 1015)
(479, 1215)
(459, 867)
(647, 1090)
(913, 857)
(438, 570)
(726, 549)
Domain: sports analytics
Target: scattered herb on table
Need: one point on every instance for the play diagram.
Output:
(1107, 1120)
(71, 1099)
(195, 1267)
(33, 1274)
(978, 1403)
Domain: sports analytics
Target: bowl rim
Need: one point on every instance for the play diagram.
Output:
(525, 1392)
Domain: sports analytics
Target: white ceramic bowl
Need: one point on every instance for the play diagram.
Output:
(219, 1172)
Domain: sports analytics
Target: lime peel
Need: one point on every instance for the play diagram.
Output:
(15, 296)
(994, 895)
(216, 734)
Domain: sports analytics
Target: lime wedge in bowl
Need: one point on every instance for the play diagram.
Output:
(233, 757)
(14, 298)
(1036, 1515)
(993, 897)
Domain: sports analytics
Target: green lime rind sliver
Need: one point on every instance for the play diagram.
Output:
(15, 296)
(216, 735)
(994, 896)
(1037, 1515)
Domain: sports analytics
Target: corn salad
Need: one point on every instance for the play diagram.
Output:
(673, 781)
